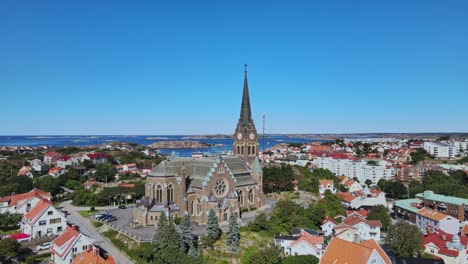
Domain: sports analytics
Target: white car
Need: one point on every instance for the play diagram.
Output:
(44, 246)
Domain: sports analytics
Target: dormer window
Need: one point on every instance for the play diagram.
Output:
(50, 213)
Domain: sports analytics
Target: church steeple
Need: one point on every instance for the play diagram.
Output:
(245, 136)
(245, 114)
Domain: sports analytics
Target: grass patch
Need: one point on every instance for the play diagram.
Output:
(87, 214)
(130, 247)
(97, 224)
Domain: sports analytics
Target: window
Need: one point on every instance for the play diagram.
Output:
(170, 194)
(84, 247)
(249, 149)
(75, 250)
(50, 213)
(238, 149)
(251, 196)
(253, 150)
(49, 230)
(42, 222)
(241, 198)
(59, 229)
(159, 194)
(198, 206)
(55, 221)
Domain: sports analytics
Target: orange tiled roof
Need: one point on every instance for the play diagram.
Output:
(91, 257)
(23, 196)
(38, 210)
(361, 212)
(309, 239)
(346, 196)
(341, 251)
(68, 236)
(434, 215)
(354, 220)
(324, 183)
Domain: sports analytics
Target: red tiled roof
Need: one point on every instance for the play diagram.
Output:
(361, 212)
(64, 158)
(38, 210)
(437, 238)
(68, 236)
(324, 183)
(346, 196)
(91, 257)
(55, 170)
(16, 198)
(97, 155)
(309, 239)
(50, 154)
(328, 219)
(354, 220)
(5, 199)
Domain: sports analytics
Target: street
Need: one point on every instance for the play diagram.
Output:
(87, 228)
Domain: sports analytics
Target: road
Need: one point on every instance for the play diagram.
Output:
(87, 228)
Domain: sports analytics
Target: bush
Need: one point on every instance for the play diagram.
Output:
(31, 260)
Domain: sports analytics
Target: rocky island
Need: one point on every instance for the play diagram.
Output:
(179, 144)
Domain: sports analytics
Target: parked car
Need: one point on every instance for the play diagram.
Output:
(44, 246)
(122, 206)
(100, 214)
(110, 219)
(103, 219)
(99, 217)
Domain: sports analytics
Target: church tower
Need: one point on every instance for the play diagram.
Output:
(245, 136)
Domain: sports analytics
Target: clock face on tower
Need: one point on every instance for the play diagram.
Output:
(252, 136)
(239, 136)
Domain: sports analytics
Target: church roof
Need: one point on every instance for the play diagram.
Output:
(245, 115)
(200, 170)
(256, 168)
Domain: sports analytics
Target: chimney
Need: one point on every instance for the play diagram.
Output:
(444, 237)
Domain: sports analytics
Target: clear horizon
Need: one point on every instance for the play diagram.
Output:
(147, 68)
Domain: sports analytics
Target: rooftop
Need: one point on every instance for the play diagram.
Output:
(430, 195)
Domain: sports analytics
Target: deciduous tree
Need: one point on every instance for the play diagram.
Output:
(404, 239)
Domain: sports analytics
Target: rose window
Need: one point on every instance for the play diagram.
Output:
(220, 187)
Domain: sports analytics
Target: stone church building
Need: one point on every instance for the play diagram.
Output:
(227, 184)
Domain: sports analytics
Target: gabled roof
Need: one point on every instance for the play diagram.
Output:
(311, 240)
(92, 257)
(441, 240)
(324, 183)
(362, 213)
(63, 243)
(37, 211)
(354, 220)
(346, 196)
(328, 219)
(341, 251)
(17, 198)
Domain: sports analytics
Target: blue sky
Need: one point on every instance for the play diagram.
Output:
(176, 67)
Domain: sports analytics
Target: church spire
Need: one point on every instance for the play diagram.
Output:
(245, 114)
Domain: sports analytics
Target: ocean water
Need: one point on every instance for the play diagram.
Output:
(220, 145)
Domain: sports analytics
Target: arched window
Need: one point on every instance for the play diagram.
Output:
(242, 149)
(198, 206)
(241, 198)
(170, 194)
(248, 150)
(192, 208)
(225, 215)
(158, 194)
(151, 218)
(251, 196)
(238, 149)
(253, 149)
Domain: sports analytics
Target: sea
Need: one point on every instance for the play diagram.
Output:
(219, 145)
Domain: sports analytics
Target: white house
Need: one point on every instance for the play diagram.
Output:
(327, 226)
(95, 158)
(69, 244)
(367, 229)
(451, 248)
(64, 161)
(304, 243)
(326, 185)
(43, 220)
(18, 203)
(366, 198)
(428, 221)
(38, 165)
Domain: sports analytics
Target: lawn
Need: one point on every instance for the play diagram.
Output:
(87, 214)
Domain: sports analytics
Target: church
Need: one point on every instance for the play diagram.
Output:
(228, 184)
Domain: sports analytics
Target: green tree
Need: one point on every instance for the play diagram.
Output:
(169, 245)
(404, 239)
(212, 226)
(160, 227)
(260, 223)
(9, 248)
(266, 255)
(233, 234)
(380, 212)
(187, 237)
(304, 259)
(105, 172)
(368, 182)
(9, 221)
(48, 184)
(276, 179)
(418, 156)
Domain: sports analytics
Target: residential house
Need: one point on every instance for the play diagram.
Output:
(93, 256)
(38, 165)
(326, 185)
(365, 198)
(365, 229)
(451, 248)
(362, 213)
(454, 206)
(305, 242)
(56, 171)
(69, 244)
(64, 161)
(51, 157)
(15, 202)
(429, 220)
(95, 158)
(341, 251)
(327, 226)
(26, 171)
(43, 220)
